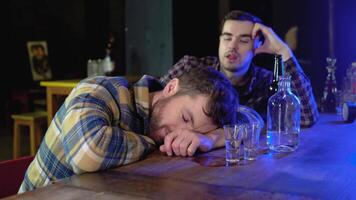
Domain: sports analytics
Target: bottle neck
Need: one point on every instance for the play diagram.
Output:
(278, 67)
(284, 83)
(331, 73)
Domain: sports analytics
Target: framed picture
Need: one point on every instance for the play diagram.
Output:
(39, 61)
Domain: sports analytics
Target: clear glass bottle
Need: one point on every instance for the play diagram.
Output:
(283, 118)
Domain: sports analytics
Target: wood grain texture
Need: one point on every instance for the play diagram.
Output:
(323, 167)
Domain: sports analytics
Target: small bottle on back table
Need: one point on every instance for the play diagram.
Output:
(330, 89)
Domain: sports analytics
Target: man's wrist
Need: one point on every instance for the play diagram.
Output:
(207, 142)
(285, 52)
(216, 139)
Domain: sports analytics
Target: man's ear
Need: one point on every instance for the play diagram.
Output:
(171, 88)
(258, 40)
(257, 43)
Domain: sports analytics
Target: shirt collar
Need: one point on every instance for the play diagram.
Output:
(251, 73)
(142, 88)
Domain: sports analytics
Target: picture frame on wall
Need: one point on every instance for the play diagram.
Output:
(39, 60)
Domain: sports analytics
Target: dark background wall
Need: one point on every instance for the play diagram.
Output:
(195, 28)
(78, 30)
(148, 31)
(345, 35)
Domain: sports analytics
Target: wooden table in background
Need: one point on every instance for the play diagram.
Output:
(63, 88)
(54, 89)
(323, 167)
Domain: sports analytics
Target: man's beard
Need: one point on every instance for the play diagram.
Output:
(156, 119)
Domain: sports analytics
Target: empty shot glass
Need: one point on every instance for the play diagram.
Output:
(233, 137)
(251, 140)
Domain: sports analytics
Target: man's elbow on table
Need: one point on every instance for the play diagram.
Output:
(86, 162)
(309, 122)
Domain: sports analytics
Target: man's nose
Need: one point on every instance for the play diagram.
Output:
(233, 44)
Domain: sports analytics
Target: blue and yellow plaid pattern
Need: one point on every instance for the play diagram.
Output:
(103, 123)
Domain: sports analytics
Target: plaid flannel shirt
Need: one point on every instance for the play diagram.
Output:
(255, 93)
(103, 123)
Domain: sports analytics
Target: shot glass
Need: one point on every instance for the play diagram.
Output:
(251, 141)
(233, 137)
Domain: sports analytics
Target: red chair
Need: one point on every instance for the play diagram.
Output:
(12, 173)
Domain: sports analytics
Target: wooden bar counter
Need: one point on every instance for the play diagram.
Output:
(323, 167)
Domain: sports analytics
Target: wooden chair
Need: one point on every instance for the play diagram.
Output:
(12, 173)
(34, 120)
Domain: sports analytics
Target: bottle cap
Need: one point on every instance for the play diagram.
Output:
(349, 111)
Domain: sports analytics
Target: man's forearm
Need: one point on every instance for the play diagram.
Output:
(302, 88)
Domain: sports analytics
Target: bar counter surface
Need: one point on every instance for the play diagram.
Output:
(323, 167)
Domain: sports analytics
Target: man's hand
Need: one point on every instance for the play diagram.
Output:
(184, 142)
(272, 44)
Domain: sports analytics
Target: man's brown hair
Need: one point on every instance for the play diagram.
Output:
(223, 99)
(240, 15)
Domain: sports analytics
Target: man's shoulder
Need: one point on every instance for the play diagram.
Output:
(186, 63)
(194, 61)
(102, 85)
(105, 80)
(209, 59)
